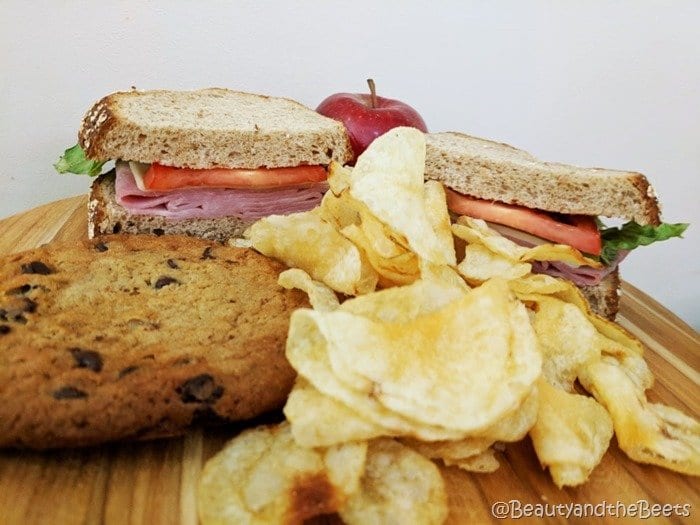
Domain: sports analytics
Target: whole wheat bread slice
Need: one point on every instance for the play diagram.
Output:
(493, 171)
(211, 128)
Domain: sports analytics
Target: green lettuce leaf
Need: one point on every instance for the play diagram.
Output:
(631, 235)
(74, 160)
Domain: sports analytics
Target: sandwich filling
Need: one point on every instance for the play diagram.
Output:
(528, 227)
(190, 195)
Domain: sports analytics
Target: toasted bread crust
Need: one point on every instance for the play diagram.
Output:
(137, 337)
(494, 171)
(211, 128)
(604, 298)
(96, 124)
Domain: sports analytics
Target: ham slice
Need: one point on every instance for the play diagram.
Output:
(580, 276)
(212, 203)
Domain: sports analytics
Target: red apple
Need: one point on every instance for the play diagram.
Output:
(367, 116)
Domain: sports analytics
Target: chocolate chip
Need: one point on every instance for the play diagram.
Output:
(101, 247)
(117, 228)
(87, 359)
(69, 392)
(200, 389)
(36, 267)
(173, 264)
(13, 315)
(17, 308)
(19, 290)
(158, 232)
(206, 254)
(126, 371)
(4, 329)
(165, 281)
(28, 305)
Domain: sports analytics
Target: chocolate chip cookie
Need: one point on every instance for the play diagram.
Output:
(137, 337)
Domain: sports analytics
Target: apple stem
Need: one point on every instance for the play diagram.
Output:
(373, 92)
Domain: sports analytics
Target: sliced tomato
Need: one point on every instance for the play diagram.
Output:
(580, 231)
(159, 177)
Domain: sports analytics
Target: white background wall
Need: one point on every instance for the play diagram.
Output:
(614, 84)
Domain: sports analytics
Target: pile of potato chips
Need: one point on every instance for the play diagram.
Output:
(411, 352)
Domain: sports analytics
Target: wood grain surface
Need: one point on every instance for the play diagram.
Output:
(154, 483)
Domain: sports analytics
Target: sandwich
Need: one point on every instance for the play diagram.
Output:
(204, 163)
(533, 202)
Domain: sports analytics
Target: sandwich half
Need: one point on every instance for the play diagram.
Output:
(205, 163)
(533, 202)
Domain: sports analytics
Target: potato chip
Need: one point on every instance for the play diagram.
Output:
(398, 270)
(340, 210)
(321, 296)
(449, 450)
(404, 379)
(388, 179)
(406, 303)
(616, 340)
(559, 252)
(263, 476)
(473, 453)
(646, 432)
(515, 425)
(442, 274)
(462, 367)
(391, 305)
(383, 241)
(399, 486)
(538, 284)
(481, 264)
(306, 353)
(483, 463)
(571, 434)
(305, 241)
(476, 231)
(470, 454)
(338, 177)
(439, 217)
(567, 339)
(615, 332)
(318, 420)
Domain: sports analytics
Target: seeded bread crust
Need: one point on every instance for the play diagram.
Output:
(107, 216)
(604, 298)
(211, 128)
(138, 337)
(493, 171)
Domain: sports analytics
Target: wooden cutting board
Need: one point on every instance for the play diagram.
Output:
(154, 483)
